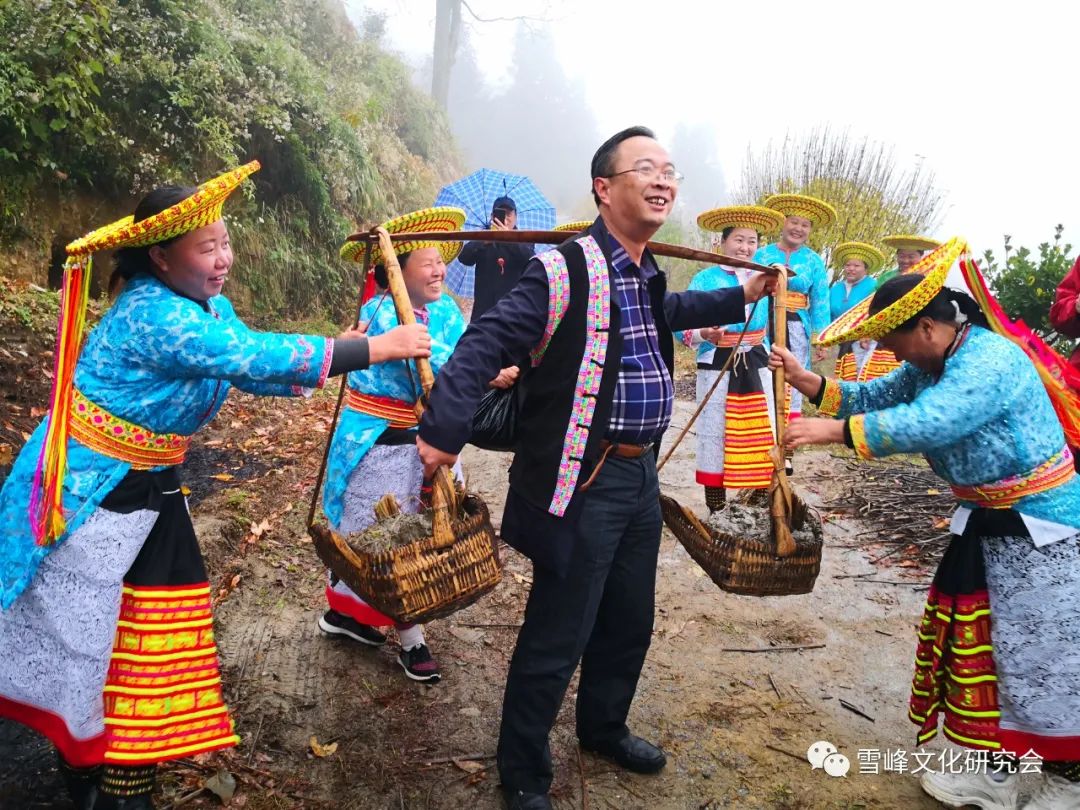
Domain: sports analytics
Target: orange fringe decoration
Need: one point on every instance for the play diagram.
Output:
(1061, 381)
(46, 498)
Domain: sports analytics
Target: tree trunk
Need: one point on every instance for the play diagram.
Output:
(447, 34)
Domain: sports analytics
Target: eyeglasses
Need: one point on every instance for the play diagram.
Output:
(647, 170)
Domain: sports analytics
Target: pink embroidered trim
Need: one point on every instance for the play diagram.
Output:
(328, 356)
(558, 298)
(307, 351)
(597, 323)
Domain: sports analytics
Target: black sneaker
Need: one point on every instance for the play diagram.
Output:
(336, 624)
(419, 665)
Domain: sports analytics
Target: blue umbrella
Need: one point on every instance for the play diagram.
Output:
(476, 194)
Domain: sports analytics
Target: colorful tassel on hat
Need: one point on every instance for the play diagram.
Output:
(46, 497)
(1062, 381)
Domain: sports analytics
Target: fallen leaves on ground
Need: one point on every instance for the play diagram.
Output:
(320, 750)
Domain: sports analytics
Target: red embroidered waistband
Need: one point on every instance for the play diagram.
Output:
(1005, 493)
(399, 412)
(96, 428)
(796, 301)
(730, 339)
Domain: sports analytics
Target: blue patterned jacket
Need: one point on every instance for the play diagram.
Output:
(356, 432)
(986, 419)
(163, 362)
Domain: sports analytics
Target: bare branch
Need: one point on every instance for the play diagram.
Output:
(522, 18)
(859, 178)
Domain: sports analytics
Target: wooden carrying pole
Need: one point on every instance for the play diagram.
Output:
(780, 495)
(444, 495)
(558, 237)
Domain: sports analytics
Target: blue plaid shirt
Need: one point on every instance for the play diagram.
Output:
(641, 410)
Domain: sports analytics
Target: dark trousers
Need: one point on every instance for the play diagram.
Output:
(600, 614)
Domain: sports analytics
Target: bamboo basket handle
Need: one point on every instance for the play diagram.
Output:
(781, 500)
(780, 338)
(444, 496)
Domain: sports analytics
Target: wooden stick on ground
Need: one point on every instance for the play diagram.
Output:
(788, 648)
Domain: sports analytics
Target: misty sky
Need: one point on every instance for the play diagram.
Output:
(983, 92)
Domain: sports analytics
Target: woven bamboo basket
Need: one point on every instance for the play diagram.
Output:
(746, 565)
(779, 564)
(425, 579)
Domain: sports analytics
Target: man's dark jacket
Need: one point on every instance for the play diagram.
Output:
(508, 332)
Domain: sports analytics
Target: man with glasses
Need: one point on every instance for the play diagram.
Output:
(583, 501)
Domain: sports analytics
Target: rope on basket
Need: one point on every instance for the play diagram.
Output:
(341, 398)
(708, 395)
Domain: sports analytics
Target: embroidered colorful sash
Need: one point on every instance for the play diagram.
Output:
(399, 413)
(1006, 493)
(96, 428)
(730, 338)
(796, 301)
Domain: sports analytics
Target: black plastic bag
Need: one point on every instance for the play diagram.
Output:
(495, 423)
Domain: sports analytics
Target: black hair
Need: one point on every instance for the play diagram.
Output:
(381, 278)
(940, 308)
(503, 203)
(724, 234)
(603, 162)
(131, 261)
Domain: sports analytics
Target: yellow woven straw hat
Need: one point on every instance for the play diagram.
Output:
(858, 323)
(867, 253)
(443, 219)
(574, 227)
(819, 212)
(907, 241)
(761, 219)
(201, 208)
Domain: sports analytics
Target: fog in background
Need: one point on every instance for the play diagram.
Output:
(977, 92)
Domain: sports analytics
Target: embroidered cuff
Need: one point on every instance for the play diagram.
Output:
(856, 425)
(328, 357)
(829, 398)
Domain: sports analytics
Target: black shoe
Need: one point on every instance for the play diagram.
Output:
(140, 802)
(520, 800)
(82, 784)
(632, 753)
(334, 623)
(419, 664)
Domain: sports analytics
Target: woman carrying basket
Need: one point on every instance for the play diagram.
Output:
(735, 429)
(373, 449)
(998, 647)
(106, 637)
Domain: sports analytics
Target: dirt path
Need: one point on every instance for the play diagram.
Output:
(715, 712)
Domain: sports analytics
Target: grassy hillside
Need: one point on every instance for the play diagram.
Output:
(101, 100)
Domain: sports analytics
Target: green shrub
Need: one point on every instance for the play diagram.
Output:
(1025, 285)
(105, 99)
